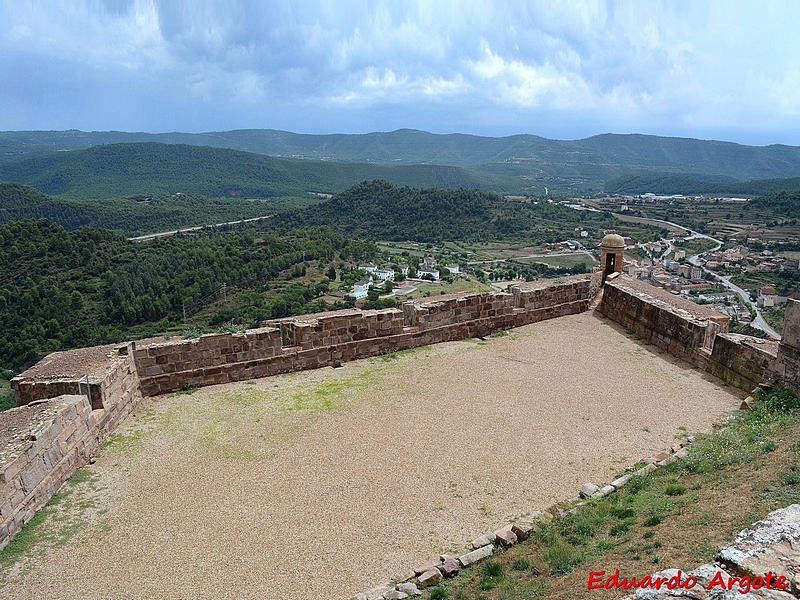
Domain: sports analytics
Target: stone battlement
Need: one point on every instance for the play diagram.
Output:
(71, 400)
(75, 398)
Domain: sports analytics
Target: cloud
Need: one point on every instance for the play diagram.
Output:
(561, 69)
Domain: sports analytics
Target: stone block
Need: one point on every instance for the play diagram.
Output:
(621, 481)
(522, 529)
(476, 555)
(378, 591)
(603, 491)
(449, 567)
(772, 544)
(409, 588)
(429, 578)
(587, 490)
(483, 540)
(32, 476)
(431, 564)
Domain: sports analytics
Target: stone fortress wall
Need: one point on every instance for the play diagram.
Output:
(700, 336)
(71, 400)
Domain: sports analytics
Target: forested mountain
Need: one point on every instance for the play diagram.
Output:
(688, 185)
(61, 289)
(783, 204)
(152, 169)
(569, 164)
(134, 215)
(382, 210)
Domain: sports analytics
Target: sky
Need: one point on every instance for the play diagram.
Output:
(561, 69)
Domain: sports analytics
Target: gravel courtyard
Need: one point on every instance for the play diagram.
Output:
(320, 484)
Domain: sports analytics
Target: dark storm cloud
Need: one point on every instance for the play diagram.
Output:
(565, 69)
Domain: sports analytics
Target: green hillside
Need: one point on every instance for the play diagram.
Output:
(68, 289)
(380, 210)
(135, 215)
(153, 168)
(687, 185)
(531, 160)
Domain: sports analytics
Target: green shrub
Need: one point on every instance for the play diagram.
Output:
(438, 593)
(491, 569)
(674, 489)
(521, 564)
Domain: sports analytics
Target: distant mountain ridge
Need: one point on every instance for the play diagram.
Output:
(117, 170)
(583, 164)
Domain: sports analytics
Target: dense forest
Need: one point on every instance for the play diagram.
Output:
(689, 185)
(61, 289)
(381, 210)
(134, 215)
(783, 204)
(163, 169)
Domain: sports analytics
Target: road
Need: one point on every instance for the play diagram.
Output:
(152, 236)
(758, 322)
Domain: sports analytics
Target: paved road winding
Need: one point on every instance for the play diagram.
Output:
(758, 322)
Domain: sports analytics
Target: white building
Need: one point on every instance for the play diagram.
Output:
(360, 288)
(452, 268)
(368, 268)
(384, 274)
(422, 272)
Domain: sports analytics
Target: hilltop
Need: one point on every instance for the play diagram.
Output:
(380, 210)
(583, 164)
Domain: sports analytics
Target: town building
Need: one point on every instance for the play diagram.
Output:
(422, 272)
(384, 274)
(360, 289)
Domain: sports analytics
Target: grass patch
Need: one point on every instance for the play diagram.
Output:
(120, 442)
(64, 515)
(675, 490)
(184, 390)
(396, 354)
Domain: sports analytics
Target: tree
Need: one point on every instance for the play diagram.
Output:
(332, 273)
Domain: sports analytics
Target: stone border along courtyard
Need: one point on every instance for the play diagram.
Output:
(86, 393)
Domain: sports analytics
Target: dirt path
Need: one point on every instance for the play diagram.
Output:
(321, 484)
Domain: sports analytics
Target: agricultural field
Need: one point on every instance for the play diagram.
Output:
(695, 246)
(433, 289)
(563, 261)
(761, 220)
